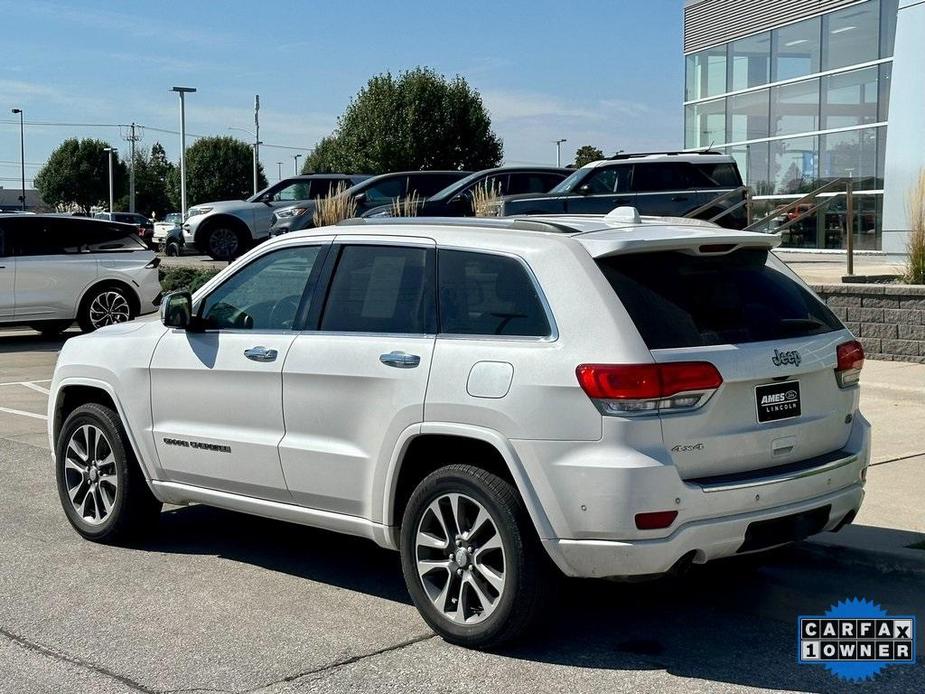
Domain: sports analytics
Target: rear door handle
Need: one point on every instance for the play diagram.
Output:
(400, 360)
(260, 354)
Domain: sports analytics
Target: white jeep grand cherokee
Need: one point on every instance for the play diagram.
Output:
(497, 399)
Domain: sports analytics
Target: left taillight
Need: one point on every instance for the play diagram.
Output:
(849, 362)
(634, 389)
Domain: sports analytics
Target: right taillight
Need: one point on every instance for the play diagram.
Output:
(634, 389)
(849, 362)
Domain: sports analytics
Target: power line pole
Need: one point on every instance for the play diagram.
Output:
(558, 144)
(132, 134)
(295, 164)
(279, 171)
(256, 138)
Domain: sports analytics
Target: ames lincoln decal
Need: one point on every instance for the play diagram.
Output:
(856, 639)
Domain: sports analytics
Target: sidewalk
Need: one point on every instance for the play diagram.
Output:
(828, 268)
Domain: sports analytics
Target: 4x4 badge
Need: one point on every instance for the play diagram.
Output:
(781, 358)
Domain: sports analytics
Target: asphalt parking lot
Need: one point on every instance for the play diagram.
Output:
(217, 601)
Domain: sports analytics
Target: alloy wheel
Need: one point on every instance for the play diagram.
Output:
(90, 474)
(223, 243)
(460, 558)
(109, 307)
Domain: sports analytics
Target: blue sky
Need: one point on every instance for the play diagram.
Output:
(602, 72)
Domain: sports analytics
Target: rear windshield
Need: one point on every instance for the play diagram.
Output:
(680, 300)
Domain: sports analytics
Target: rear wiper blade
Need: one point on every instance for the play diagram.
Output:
(796, 323)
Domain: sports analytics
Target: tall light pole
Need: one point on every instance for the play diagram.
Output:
(257, 142)
(255, 146)
(295, 164)
(279, 171)
(183, 91)
(110, 150)
(22, 157)
(559, 151)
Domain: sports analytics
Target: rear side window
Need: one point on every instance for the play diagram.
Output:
(654, 178)
(484, 294)
(381, 289)
(720, 175)
(679, 300)
(66, 235)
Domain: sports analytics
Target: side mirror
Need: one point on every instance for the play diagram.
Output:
(584, 189)
(360, 198)
(177, 310)
(458, 199)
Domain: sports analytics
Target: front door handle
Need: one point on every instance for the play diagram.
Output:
(260, 354)
(400, 360)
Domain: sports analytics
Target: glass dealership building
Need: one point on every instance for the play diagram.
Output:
(798, 91)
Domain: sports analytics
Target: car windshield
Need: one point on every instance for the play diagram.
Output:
(567, 183)
(457, 186)
(174, 218)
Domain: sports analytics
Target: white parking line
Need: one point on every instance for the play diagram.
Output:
(23, 413)
(35, 387)
(22, 383)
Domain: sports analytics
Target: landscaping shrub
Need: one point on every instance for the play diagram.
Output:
(485, 199)
(184, 278)
(407, 206)
(334, 207)
(915, 246)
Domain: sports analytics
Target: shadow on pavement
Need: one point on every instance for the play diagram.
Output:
(29, 341)
(732, 621)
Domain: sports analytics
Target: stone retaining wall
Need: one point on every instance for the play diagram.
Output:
(888, 319)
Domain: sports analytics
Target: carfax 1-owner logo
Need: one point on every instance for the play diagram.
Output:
(856, 639)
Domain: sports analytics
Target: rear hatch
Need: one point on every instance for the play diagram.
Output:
(772, 341)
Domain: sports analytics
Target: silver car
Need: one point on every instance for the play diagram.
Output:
(55, 270)
(225, 229)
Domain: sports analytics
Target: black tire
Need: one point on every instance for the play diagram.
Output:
(134, 509)
(172, 249)
(527, 570)
(51, 328)
(88, 318)
(217, 243)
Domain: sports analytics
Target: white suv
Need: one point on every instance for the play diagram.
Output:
(496, 398)
(55, 270)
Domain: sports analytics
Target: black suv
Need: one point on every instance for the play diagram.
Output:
(670, 184)
(456, 200)
(371, 193)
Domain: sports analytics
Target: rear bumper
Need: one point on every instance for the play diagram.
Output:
(590, 494)
(704, 540)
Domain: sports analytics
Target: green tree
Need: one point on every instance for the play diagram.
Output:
(217, 168)
(326, 157)
(152, 173)
(417, 120)
(77, 174)
(586, 154)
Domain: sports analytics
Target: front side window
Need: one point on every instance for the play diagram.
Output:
(292, 192)
(611, 179)
(381, 289)
(264, 295)
(528, 183)
(384, 192)
(427, 185)
(484, 294)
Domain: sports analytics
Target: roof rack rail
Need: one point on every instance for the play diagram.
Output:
(518, 223)
(630, 155)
